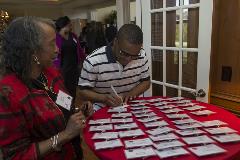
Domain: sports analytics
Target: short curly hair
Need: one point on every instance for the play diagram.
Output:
(130, 32)
(23, 38)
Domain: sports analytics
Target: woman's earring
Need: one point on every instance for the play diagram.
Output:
(36, 59)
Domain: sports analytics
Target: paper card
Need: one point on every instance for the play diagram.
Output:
(194, 108)
(168, 144)
(198, 140)
(213, 123)
(149, 119)
(138, 143)
(100, 121)
(188, 126)
(142, 111)
(186, 104)
(159, 104)
(175, 110)
(169, 136)
(140, 108)
(155, 124)
(175, 99)
(206, 150)
(118, 110)
(138, 104)
(166, 107)
(139, 153)
(137, 101)
(220, 130)
(64, 100)
(154, 100)
(131, 133)
(145, 114)
(177, 116)
(123, 115)
(125, 126)
(122, 120)
(108, 144)
(158, 131)
(185, 121)
(227, 138)
(189, 132)
(101, 128)
(172, 152)
(105, 135)
(203, 112)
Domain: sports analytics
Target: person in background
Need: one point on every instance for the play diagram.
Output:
(71, 55)
(100, 37)
(111, 32)
(91, 37)
(33, 126)
(122, 65)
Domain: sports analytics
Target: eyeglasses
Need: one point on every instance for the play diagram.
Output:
(128, 55)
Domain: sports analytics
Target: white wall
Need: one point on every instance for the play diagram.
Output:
(102, 13)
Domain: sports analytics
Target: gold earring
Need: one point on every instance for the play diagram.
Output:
(36, 59)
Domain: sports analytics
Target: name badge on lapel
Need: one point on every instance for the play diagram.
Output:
(64, 100)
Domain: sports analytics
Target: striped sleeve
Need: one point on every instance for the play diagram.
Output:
(145, 74)
(88, 75)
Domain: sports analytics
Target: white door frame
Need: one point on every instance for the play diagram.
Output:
(143, 14)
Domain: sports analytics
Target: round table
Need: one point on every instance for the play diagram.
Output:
(233, 149)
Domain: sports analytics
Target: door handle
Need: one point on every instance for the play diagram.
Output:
(200, 93)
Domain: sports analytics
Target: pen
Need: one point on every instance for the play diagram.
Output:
(115, 92)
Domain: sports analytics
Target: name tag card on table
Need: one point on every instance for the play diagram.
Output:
(227, 138)
(168, 144)
(203, 113)
(172, 152)
(105, 135)
(138, 105)
(188, 126)
(198, 140)
(187, 104)
(108, 144)
(139, 153)
(164, 137)
(189, 132)
(210, 149)
(139, 108)
(213, 123)
(158, 131)
(131, 133)
(185, 121)
(194, 108)
(156, 124)
(220, 130)
(145, 114)
(177, 116)
(101, 128)
(118, 110)
(123, 115)
(122, 120)
(175, 110)
(149, 119)
(166, 107)
(160, 104)
(125, 126)
(154, 100)
(142, 111)
(138, 143)
(100, 121)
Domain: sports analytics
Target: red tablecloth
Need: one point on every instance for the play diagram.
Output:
(233, 149)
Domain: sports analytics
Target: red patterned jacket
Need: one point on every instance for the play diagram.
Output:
(28, 117)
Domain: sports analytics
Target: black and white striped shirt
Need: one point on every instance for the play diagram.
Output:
(101, 70)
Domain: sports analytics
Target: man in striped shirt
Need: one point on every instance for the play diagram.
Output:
(122, 64)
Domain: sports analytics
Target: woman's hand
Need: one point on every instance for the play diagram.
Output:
(75, 124)
(87, 108)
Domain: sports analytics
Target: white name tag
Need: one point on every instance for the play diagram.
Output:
(64, 100)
